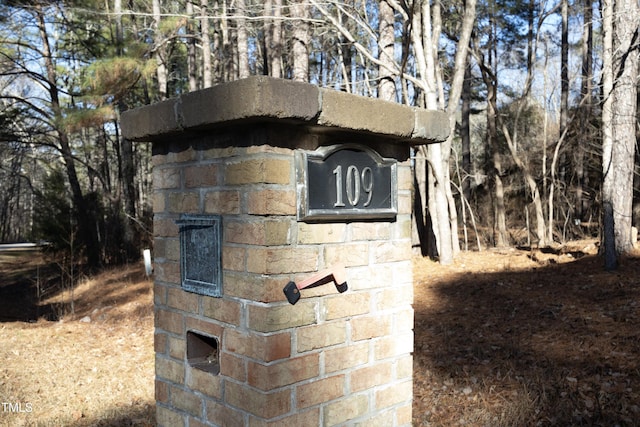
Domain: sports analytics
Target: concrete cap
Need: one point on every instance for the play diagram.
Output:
(266, 99)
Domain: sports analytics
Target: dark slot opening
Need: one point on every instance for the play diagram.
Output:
(203, 352)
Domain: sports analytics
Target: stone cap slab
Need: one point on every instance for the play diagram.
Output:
(267, 99)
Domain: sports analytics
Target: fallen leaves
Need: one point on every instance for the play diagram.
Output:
(514, 339)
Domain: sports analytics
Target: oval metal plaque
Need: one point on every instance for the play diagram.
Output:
(345, 182)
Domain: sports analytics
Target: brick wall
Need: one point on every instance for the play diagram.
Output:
(331, 359)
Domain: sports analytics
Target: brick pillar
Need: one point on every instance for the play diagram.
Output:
(330, 359)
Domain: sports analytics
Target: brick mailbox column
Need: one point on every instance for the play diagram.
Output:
(263, 182)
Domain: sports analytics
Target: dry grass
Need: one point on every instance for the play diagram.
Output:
(93, 368)
(501, 339)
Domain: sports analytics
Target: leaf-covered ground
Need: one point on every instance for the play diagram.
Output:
(512, 338)
(524, 338)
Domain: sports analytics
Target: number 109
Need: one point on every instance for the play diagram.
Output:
(353, 185)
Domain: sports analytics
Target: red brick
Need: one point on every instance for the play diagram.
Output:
(222, 202)
(319, 336)
(282, 260)
(285, 372)
(306, 418)
(371, 376)
(263, 232)
(266, 405)
(233, 258)
(258, 170)
(394, 394)
(404, 415)
(404, 367)
(170, 321)
(393, 346)
(233, 367)
(391, 251)
(205, 382)
(183, 202)
(170, 370)
(177, 347)
(165, 417)
(347, 304)
(165, 227)
(254, 287)
(320, 391)
(222, 309)
(166, 177)
(338, 359)
(276, 318)
(162, 391)
(205, 326)
(394, 297)
(186, 401)
(266, 348)
(201, 176)
(272, 202)
(182, 300)
(347, 254)
(221, 415)
(160, 342)
(366, 327)
(343, 410)
(167, 272)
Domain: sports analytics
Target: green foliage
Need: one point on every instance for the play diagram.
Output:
(84, 118)
(115, 77)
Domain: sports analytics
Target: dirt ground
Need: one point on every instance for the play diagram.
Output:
(510, 338)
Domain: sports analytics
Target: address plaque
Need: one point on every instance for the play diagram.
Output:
(345, 182)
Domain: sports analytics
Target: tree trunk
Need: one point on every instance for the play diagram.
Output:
(243, 47)
(501, 238)
(205, 37)
(620, 73)
(273, 37)
(624, 107)
(127, 169)
(386, 42)
(465, 135)
(457, 82)
(300, 48)
(117, 11)
(192, 61)
(87, 229)
(228, 64)
(608, 179)
(585, 106)
(564, 67)
(161, 70)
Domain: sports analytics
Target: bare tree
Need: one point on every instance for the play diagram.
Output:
(300, 48)
(585, 108)
(205, 38)
(386, 49)
(159, 51)
(192, 57)
(85, 220)
(620, 74)
(242, 44)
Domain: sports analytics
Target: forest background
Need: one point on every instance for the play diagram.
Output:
(542, 100)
